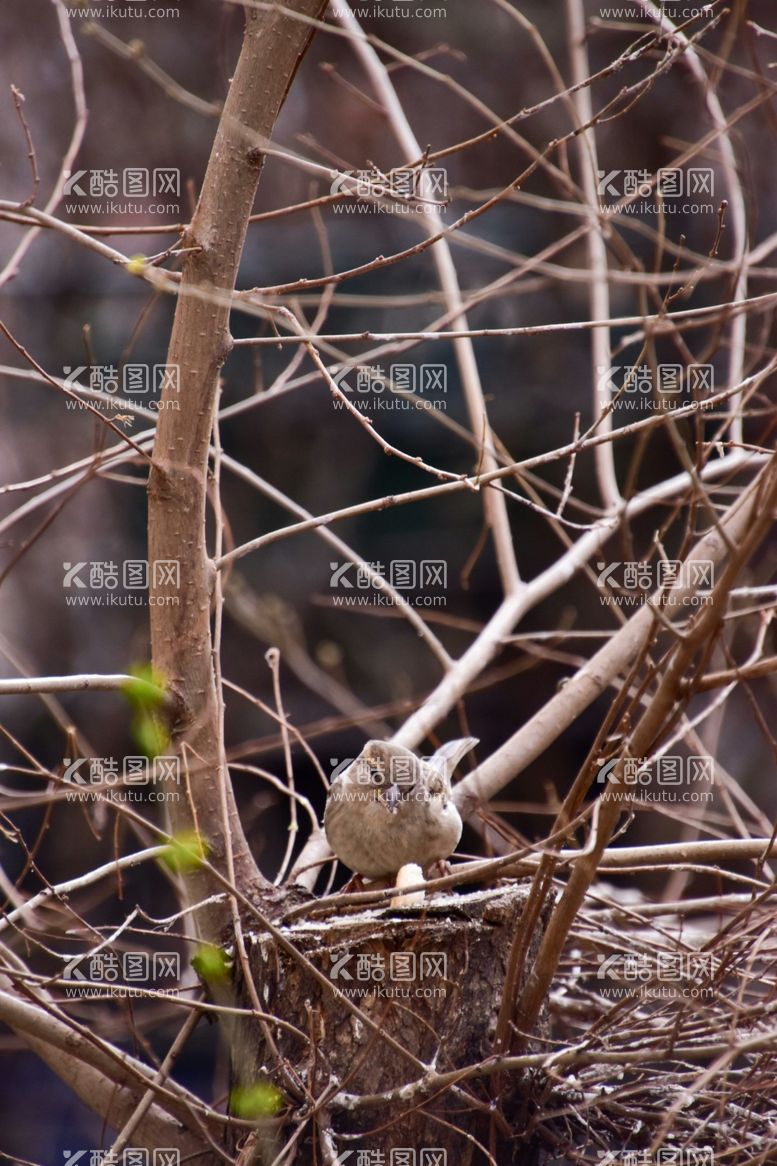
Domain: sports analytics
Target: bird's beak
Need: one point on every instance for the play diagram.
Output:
(391, 797)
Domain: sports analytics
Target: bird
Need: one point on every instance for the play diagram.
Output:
(390, 809)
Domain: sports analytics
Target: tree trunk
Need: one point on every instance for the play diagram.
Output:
(182, 648)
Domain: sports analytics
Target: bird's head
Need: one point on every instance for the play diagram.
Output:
(386, 771)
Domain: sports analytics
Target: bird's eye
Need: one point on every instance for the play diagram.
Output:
(376, 776)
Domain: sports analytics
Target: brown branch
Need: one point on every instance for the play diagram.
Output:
(658, 714)
(732, 675)
(18, 100)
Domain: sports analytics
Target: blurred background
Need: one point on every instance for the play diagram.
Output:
(347, 672)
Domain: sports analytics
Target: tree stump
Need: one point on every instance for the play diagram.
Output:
(431, 979)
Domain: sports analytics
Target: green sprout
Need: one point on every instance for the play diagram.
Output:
(211, 963)
(147, 696)
(262, 1099)
(185, 852)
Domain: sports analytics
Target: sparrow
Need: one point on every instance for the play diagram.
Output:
(390, 808)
